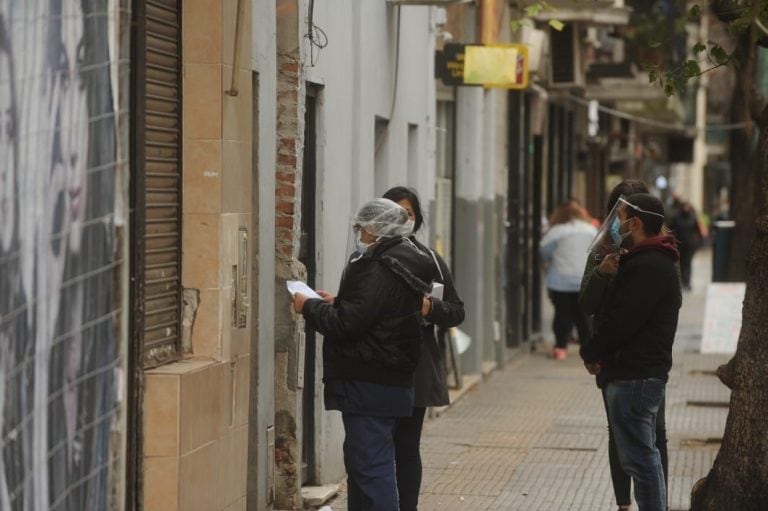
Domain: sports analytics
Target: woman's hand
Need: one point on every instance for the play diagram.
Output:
(298, 302)
(327, 297)
(426, 306)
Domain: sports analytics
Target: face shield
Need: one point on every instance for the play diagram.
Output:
(608, 239)
(380, 218)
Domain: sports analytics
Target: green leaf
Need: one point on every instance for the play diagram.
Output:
(694, 13)
(654, 44)
(718, 55)
(533, 10)
(698, 48)
(557, 25)
(515, 25)
(691, 68)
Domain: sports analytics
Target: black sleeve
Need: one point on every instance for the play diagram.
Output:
(593, 287)
(449, 311)
(634, 298)
(364, 294)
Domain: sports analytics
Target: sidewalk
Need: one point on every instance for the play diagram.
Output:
(532, 436)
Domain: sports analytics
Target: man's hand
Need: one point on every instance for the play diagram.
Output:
(298, 302)
(609, 265)
(426, 306)
(327, 297)
(593, 368)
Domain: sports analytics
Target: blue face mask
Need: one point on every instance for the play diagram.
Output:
(616, 235)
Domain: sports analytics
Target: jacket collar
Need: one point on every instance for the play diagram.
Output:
(665, 244)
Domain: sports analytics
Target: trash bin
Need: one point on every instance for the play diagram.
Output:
(721, 249)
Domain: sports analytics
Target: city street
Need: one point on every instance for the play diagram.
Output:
(532, 436)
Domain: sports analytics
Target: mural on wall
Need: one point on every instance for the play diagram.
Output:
(59, 317)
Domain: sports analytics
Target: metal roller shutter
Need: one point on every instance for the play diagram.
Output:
(158, 182)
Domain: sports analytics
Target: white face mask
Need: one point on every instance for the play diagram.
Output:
(361, 246)
(410, 224)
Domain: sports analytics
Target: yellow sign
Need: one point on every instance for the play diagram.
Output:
(498, 65)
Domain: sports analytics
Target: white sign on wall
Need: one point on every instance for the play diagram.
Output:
(722, 318)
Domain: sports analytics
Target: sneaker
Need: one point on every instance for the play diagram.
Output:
(558, 354)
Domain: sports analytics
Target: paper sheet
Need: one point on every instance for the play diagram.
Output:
(297, 286)
(437, 290)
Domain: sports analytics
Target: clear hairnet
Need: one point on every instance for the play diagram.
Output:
(383, 218)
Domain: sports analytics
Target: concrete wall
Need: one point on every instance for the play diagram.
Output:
(357, 74)
(196, 423)
(261, 454)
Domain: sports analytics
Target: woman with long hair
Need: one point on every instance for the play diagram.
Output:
(564, 250)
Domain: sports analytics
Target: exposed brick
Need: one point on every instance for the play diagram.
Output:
(286, 177)
(285, 159)
(286, 190)
(284, 221)
(285, 207)
(288, 143)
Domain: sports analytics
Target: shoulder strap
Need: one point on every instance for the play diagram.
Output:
(439, 270)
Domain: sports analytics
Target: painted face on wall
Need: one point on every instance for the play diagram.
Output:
(8, 124)
(71, 152)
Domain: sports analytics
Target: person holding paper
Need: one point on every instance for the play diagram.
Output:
(372, 342)
(442, 308)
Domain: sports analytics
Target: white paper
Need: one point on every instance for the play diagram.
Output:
(437, 290)
(461, 341)
(297, 286)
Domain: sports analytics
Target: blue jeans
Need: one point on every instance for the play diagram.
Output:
(369, 457)
(633, 406)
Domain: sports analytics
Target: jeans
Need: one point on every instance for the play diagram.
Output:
(567, 314)
(621, 481)
(408, 458)
(369, 457)
(633, 406)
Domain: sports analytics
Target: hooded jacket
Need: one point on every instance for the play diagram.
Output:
(372, 331)
(634, 337)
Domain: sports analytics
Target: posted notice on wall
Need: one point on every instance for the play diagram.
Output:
(722, 318)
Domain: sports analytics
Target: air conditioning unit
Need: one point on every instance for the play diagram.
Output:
(565, 57)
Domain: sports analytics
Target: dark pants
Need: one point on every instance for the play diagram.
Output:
(369, 457)
(567, 314)
(621, 481)
(633, 406)
(408, 458)
(686, 261)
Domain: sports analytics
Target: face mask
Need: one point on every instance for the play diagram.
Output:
(410, 225)
(616, 235)
(361, 246)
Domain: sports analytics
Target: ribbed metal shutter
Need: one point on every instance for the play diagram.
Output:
(158, 183)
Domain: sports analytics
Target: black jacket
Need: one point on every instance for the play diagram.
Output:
(637, 326)
(373, 329)
(431, 388)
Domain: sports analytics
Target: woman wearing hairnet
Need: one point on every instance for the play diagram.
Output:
(431, 388)
(372, 342)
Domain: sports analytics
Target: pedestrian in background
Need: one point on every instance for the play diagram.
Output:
(631, 350)
(372, 342)
(564, 250)
(686, 228)
(601, 268)
(431, 387)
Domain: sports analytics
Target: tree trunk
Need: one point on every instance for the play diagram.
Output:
(739, 478)
(744, 170)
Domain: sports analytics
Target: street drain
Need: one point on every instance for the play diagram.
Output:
(709, 404)
(700, 442)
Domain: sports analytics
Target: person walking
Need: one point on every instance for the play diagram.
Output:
(564, 249)
(431, 387)
(631, 349)
(686, 228)
(372, 342)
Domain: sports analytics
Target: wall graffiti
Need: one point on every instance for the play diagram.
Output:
(59, 336)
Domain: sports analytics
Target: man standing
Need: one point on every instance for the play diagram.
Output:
(632, 346)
